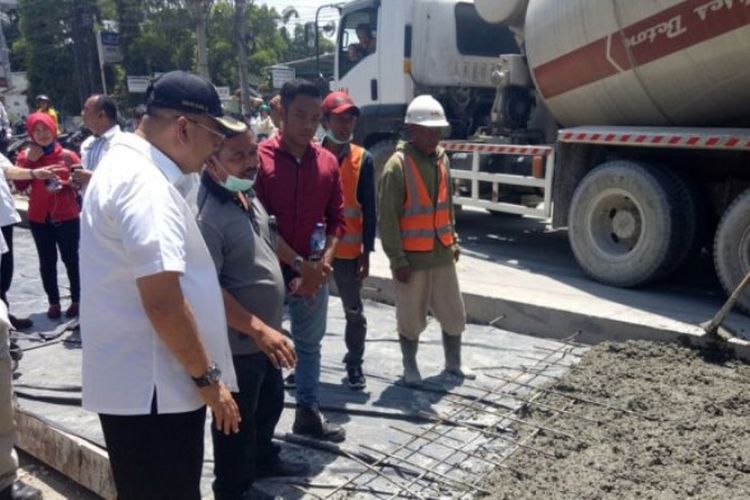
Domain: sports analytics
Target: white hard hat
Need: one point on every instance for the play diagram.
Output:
(426, 111)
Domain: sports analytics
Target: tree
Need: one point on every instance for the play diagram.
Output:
(199, 11)
(47, 48)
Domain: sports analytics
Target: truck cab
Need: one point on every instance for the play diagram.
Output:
(389, 51)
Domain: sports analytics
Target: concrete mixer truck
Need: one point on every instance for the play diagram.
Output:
(626, 121)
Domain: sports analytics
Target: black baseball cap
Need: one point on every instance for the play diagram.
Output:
(189, 93)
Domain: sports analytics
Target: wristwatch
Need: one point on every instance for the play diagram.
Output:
(212, 375)
(297, 264)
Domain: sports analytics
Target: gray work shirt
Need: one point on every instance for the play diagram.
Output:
(240, 243)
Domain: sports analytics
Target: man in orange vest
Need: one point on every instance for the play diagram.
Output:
(352, 262)
(418, 235)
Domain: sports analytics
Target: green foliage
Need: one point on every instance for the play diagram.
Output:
(46, 48)
(155, 36)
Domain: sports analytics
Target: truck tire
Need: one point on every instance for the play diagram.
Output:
(381, 151)
(621, 223)
(690, 220)
(732, 247)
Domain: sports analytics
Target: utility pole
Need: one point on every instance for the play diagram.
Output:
(240, 32)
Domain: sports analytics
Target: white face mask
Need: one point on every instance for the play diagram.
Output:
(331, 137)
(234, 183)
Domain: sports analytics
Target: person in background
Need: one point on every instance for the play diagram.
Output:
(43, 105)
(366, 45)
(53, 210)
(276, 110)
(235, 227)
(417, 230)
(299, 183)
(9, 217)
(10, 487)
(153, 326)
(352, 262)
(264, 126)
(99, 115)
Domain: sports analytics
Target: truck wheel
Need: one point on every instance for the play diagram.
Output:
(690, 220)
(621, 223)
(381, 151)
(732, 247)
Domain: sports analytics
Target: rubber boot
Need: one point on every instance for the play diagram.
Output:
(452, 348)
(412, 376)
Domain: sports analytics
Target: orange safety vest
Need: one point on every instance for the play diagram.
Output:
(350, 244)
(423, 220)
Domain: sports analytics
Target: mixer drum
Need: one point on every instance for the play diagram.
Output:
(641, 62)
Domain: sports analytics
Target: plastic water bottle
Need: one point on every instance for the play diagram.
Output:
(317, 242)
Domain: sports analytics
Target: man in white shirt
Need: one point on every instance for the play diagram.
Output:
(152, 317)
(99, 115)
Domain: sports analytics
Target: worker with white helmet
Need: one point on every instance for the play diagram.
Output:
(417, 230)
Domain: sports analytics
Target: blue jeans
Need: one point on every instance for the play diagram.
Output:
(308, 317)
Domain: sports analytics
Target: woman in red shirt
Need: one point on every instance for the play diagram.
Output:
(53, 210)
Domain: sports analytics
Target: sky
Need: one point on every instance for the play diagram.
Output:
(306, 8)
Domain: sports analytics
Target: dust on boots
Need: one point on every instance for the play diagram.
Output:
(453, 366)
(452, 348)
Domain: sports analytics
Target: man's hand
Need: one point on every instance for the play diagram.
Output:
(402, 274)
(222, 405)
(81, 176)
(34, 152)
(44, 173)
(363, 266)
(314, 276)
(277, 347)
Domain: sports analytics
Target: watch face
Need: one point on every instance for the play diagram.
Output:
(214, 374)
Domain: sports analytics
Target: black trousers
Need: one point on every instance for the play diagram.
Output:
(6, 263)
(350, 291)
(260, 400)
(49, 237)
(156, 457)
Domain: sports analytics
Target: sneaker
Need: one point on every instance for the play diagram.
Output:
(355, 379)
(309, 422)
(20, 323)
(54, 311)
(289, 381)
(72, 311)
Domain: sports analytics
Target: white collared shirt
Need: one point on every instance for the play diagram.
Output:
(8, 213)
(135, 223)
(93, 148)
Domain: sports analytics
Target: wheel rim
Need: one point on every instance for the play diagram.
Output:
(615, 224)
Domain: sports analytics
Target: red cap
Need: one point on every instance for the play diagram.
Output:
(338, 103)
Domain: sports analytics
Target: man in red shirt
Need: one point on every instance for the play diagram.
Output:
(298, 182)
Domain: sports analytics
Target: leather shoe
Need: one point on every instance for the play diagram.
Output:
(308, 421)
(20, 491)
(257, 494)
(20, 323)
(278, 467)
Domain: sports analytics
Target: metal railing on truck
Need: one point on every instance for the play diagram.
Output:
(543, 164)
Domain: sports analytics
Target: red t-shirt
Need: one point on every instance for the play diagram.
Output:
(300, 193)
(43, 205)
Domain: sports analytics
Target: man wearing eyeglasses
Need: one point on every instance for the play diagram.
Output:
(152, 317)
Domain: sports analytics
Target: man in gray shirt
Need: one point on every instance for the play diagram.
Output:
(236, 230)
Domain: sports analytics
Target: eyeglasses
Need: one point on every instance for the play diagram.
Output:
(221, 136)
